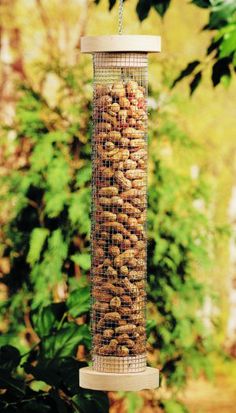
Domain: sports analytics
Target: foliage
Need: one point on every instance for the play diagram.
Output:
(221, 52)
(47, 243)
(51, 198)
(50, 365)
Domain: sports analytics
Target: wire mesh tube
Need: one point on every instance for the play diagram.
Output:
(119, 198)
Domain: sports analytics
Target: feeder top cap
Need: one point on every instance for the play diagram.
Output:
(120, 43)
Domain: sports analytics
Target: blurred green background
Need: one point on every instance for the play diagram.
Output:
(45, 172)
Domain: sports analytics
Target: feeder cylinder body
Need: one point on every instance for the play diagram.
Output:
(119, 207)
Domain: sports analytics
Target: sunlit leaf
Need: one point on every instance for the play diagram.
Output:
(37, 240)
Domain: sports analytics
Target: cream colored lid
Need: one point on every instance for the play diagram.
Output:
(120, 43)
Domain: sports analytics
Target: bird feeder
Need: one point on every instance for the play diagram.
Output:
(119, 209)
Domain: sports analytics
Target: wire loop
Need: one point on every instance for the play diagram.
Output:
(121, 10)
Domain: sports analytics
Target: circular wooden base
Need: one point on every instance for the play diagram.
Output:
(94, 380)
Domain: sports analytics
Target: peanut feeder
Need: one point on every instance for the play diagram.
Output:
(119, 207)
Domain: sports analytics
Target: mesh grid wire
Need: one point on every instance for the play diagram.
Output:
(119, 205)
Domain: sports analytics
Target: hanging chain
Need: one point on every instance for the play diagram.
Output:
(121, 9)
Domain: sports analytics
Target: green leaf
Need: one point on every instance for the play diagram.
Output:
(143, 8)
(84, 175)
(195, 82)
(83, 260)
(204, 4)
(234, 60)
(47, 318)
(92, 401)
(65, 341)
(79, 209)
(69, 368)
(225, 80)
(161, 6)
(173, 406)
(37, 240)
(9, 358)
(16, 386)
(58, 174)
(111, 4)
(39, 162)
(36, 406)
(186, 72)
(150, 325)
(221, 14)
(228, 44)
(57, 245)
(55, 203)
(220, 69)
(58, 372)
(78, 301)
(57, 136)
(134, 402)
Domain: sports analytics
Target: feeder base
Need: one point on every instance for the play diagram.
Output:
(94, 380)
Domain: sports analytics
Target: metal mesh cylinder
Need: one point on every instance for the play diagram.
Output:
(119, 198)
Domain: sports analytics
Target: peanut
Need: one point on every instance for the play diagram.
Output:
(120, 155)
(100, 137)
(127, 328)
(106, 172)
(126, 244)
(115, 107)
(129, 164)
(102, 296)
(123, 258)
(107, 215)
(104, 201)
(111, 272)
(99, 306)
(101, 90)
(108, 333)
(124, 102)
(112, 316)
(141, 153)
(137, 143)
(131, 210)
(138, 183)
(122, 181)
(114, 250)
(122, 217)
(124, 270)
(135, 174)
(115, 302)
(109, 146)
(97, 339)
(130, 193)
(122, 115)
(114, 136)
(117, 238)
(122, 338)
(122, 351)
(108, 191)
(131, 288)
(103, 101)
(108, 118)
(136, 275)
(103, 126)
(133, 238)
(113, 289)
(116, 201)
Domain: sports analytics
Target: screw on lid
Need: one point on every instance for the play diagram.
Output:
(120, 43)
